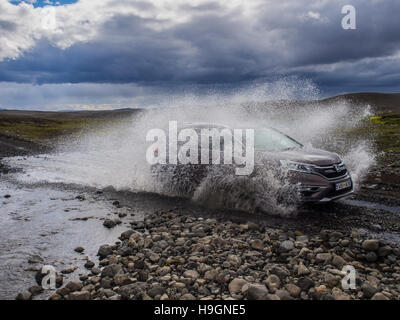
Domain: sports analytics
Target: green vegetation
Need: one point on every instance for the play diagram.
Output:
(386, 132)
(35, 129)
(37, 126)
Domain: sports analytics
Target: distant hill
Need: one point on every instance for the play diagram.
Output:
(381, 102)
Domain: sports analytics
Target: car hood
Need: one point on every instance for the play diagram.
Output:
(310, 156)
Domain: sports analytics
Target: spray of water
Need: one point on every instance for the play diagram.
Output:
(115, 156)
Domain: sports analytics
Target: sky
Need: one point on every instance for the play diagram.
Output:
(88, 54)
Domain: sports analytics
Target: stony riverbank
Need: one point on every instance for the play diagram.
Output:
(172, 256)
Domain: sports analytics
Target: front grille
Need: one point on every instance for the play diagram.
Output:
(334, 171)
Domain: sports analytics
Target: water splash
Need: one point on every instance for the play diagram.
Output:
(115, 156)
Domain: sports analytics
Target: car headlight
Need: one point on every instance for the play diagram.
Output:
(297, 166)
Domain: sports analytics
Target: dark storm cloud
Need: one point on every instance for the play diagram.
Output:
(224, 46)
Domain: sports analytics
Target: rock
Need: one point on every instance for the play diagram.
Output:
(24, 295)
(210, 275)
(69, 270)
(286, 246)
(283, 294)
(108, 223)
(281, 272)
(139, 264)
(379, 296)
(270, 296)
(126, 234)
(35, 259)
(338, 261)
(104, 251)
(79, 295)
(63, 291)
(79, 249)
(305, 283)
(89, 264)
(143, 275)
(193, 274)
(55, 297)
(302, 270)
(40, 275)
(74, 286)
(323, 258)
(302, 239)
(235, 286)
(384, 251)
(257, 292)
(371, 256)
(257, 244)
(156, 290)
(370, 245)
(320, 291)
(368, 290)
(273, 282)
(188, 296)
(111, 271)
(293, 290)
(34, 290)
(339, 294)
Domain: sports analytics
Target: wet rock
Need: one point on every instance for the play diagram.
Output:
(24, 295)
(111, 271)
(35, 259)
(79, 295)
(108, 223)
(104, 251)
(79, 249)
(89, 264)
(69, 270)
(35, 290)
(126, 234)
(40, 274)
(370, 245)
(74, 286)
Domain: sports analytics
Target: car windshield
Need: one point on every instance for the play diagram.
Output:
(267, 139)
